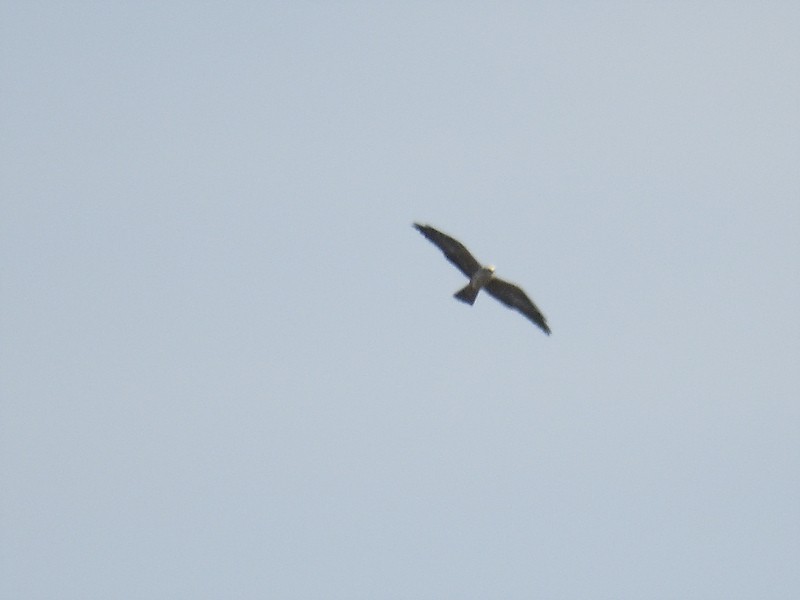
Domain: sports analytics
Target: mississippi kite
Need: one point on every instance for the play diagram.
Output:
(482, 277)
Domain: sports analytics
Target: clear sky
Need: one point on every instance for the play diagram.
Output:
(231, 369)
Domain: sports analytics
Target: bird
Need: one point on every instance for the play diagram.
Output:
(482, 277)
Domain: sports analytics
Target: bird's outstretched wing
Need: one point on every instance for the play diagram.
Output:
(515, 298)
(454, 250)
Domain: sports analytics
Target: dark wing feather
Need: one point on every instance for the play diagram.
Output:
(515, 298)
(454, 250)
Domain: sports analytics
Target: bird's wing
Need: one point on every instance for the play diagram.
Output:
(454, 250)
(515, 298)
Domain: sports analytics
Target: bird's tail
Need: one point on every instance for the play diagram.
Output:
(467, 294)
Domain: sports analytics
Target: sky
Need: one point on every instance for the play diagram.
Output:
(230, 367)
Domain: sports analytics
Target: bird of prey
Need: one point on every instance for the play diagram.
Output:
(482, 277)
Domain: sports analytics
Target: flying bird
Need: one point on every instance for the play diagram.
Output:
(482, 277)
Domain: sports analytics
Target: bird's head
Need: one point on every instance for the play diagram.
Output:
(490, 268)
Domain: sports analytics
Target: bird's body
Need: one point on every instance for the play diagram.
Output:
(479, 279)
(482, 277)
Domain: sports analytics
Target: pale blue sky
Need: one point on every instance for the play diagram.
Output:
(231, 369)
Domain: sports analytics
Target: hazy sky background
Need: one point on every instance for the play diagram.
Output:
(231, 369)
